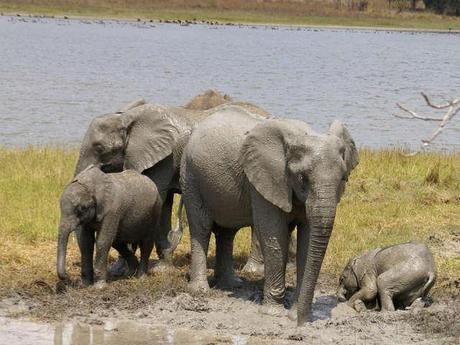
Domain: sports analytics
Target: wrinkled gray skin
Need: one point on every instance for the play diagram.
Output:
(272, 174)
(398, 275)
(147, 138)
(108, 210)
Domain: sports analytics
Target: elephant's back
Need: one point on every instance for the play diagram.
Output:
(415, 253)
(138, 190)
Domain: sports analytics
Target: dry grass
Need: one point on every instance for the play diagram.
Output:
(390, 199)
(308, 12)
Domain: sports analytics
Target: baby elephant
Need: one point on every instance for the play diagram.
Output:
(399, 274)
(108, 210)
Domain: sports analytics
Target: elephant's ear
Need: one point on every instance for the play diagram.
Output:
(263, 157)
(152, 134)
(351, 153)
(99, 185)
(131, 105)
(102, 194)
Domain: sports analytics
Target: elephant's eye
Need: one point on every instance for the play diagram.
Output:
(303, 178)
(98, 147)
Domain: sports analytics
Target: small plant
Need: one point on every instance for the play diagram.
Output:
(433, 175)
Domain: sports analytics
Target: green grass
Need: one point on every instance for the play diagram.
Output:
(278, 15)
(389, 199)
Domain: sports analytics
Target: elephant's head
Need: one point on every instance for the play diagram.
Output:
(348, 282)
(135, 139)
(85, 200)
(285, 160)
(209, 99)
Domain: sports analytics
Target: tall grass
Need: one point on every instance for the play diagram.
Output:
(308, 12)
(389, 199)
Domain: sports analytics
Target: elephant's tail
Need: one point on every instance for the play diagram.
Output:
(429, 284)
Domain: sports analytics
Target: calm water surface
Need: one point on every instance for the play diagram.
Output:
(56, 75)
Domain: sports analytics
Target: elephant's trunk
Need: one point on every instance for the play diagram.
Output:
(321, 219)
(64, 232)
(341, 294)
(86, 157)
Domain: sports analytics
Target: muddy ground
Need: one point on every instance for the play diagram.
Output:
(160, 309)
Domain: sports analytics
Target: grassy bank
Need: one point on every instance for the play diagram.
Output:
(389, 199)
(306, 13)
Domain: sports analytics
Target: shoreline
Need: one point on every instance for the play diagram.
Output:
(61, 15)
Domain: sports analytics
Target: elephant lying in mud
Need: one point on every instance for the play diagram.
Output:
(150, 139)
(118, 208)
(397, 274)
(240, 169)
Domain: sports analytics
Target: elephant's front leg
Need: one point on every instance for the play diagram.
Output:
(271, 226)
(85, 239)
(367, 293)
(104, 240)
(162, 244)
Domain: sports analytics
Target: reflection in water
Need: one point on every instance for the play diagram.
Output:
(133, 333)
(17, 332)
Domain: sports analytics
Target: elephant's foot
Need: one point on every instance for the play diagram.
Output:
(199, 286)
(253, 267)
(85, 282)
(61, 287)
(100, 285)
(419, 303)
(229, 281)
(359, 306)
(292, 313)
(120, 268)
(162, 265)
(277, 310)
(132, 269)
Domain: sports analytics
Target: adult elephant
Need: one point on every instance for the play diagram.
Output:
(272, 174)
(150, 139)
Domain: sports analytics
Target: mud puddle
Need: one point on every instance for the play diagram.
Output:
(15, 332)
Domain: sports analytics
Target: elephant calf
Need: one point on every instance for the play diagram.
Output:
(118, 208)
(398, 274)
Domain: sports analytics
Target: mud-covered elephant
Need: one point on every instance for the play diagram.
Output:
(272, 174)
(397, 275)
(150, 138)
(108, 210)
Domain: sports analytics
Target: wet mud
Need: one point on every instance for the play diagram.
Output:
(221, 317)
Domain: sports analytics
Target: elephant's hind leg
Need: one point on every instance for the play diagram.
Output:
(200, 225)
(255, 263)
(162, 244)
(399, 280)
(127, 255)
(224, 273)
(146, 246)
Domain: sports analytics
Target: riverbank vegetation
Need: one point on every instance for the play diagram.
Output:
(372, 13)
(389, 199)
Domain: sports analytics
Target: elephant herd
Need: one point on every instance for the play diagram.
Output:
(235, 166)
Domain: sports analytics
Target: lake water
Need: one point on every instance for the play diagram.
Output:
(56, 75)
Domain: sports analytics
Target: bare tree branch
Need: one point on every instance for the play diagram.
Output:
(453, 107)
(442, 106)
(414, 115)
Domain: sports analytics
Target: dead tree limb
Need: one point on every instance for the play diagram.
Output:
(453, 107)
